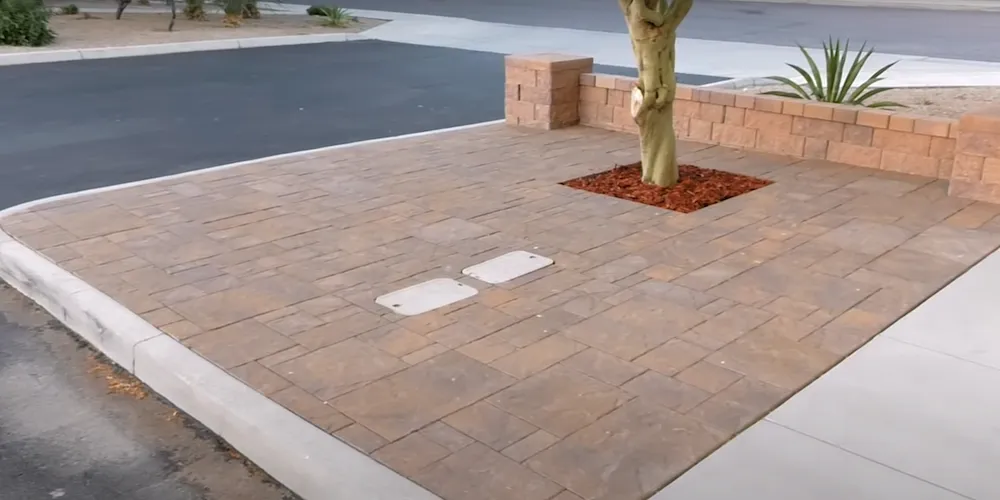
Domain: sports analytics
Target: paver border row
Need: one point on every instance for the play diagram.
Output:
(310, 462)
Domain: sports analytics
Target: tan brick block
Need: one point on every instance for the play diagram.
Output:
(819, 110)
(711, 112)
(986, 121)
(942, 147)
(558, 79)
(595, 95)
(989, 193)
(768, 121)
(559, 115)
(550, 62)
(734, 135)
(605, 113)
(605, 81)
(536, 95)
(850, 154)
(901, 123)
(735, 116)
(722, 98)
(815, 148)
(618, 97)
(682, 126)
(819, 129)
(521, 76)
(512, 92)
(588, 113)
(744, 101)
(991, 171)
(903, 142)
(944, 168)
(873, 118)
(844, 114)
(520, 111)
(978, 143)
(794, 108)
(588, 80)
(684, 93)
(909, 164)
(700, 130)
(625, 83)
(937, 127)
(686, 108)
(622, 118)
(702, 95)
(767, 103)
(774, 141)
(967, 168)
(858, 135)
(953, 132)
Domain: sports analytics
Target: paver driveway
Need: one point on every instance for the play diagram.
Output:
(654, 337)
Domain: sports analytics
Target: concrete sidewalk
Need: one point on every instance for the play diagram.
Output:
(653, 338)
(912, 415)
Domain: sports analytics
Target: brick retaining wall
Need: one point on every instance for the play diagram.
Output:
(540, 88)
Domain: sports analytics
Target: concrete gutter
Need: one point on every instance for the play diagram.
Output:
(966, 5)
(306, 459)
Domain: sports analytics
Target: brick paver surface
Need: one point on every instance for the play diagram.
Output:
(654, 338)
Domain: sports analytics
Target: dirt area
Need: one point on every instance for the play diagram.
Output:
(145, 28)
(697, 187)
(949, 102)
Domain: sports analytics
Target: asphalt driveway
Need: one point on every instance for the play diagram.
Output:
(65, 127)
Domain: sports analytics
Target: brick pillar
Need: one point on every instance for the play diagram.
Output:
(975, 173)
(543, 90)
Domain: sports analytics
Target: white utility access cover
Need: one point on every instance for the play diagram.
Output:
(426, 296)
(507, 267)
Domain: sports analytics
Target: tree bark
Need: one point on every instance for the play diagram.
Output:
(121, 8)
(173, 14)
(652, 26)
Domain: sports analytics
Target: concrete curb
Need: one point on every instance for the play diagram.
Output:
(48, 56)
(310, 462)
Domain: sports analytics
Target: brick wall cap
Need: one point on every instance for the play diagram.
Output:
(550, 62)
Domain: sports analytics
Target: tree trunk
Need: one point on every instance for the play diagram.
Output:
(173, 14)
(121, 8)
(652, 26)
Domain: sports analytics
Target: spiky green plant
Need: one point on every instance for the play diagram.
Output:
(837, 83)
(337, 17)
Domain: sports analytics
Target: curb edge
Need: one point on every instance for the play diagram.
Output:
(86, 54)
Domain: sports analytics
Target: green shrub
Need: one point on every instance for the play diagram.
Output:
(69, 10)
(337, 17)
(836, 83)
(25, 23)
(195, 10)
(317, 10)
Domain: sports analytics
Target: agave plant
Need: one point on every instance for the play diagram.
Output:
(838, 83)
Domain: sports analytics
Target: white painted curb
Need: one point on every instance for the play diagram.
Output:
(310, 462)
(48, 56)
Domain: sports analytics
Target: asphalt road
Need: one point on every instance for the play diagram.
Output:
(957, 35)
(66, 127)
(63, 436)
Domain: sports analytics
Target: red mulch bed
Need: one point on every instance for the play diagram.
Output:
(697, 188)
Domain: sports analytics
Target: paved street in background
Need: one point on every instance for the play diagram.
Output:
(63, 436)
(935, 33)
(71, 126)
